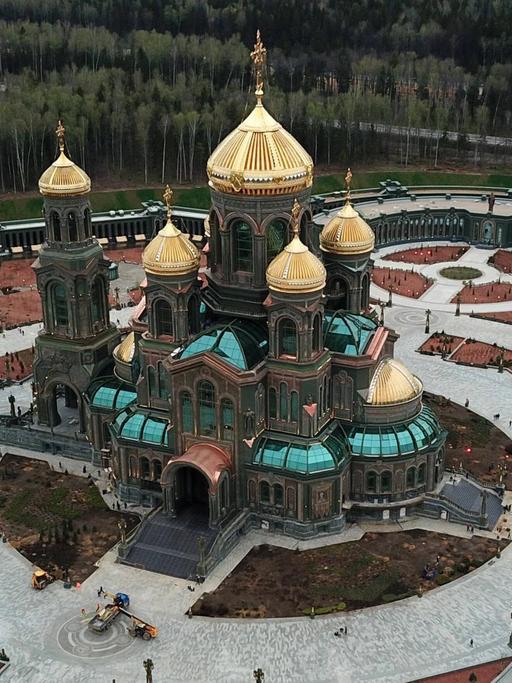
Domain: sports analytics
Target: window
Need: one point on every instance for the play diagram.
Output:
(371, 482)
(421, 473)
(264, 492)
(325, 407)
(72, 227)
(294, 406)
(144, 468)
(290, 498)
(278, 494)
(276, 239)
(56, 226)
(287, 333)
(228, 418)
(152, 384)
(193, 315)
(97, 300)
(207, 409)
(317, 334)
(411, 478)
(252, 491)
(163, 381)
(283, 401)
(242, 243)
(385, 481)
(163, 318)
(272, 403)
(87, 222)
(60, 305)
(157, 470)
(133, 467)
(187, 413)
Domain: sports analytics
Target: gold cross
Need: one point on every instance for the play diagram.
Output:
(60, 135)
(258, 56)
(348, 181)
(295, 217)
(168, 199)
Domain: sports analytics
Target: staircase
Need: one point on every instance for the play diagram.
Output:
(170, 545)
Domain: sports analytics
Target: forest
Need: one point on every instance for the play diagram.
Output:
(147, 88)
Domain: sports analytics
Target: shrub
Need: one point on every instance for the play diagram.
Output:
(441, 579)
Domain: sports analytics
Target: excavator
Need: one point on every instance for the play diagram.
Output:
(103, 619)
(41, 579)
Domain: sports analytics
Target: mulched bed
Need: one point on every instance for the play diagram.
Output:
(485, 294)
(20, 308)
(16, 366)
(126, 255)
(485, 673)
(380, 568)
(437, 341)
(402, 282)
(502, 260)
(58, 521)
(499, 317)
(427, 255)
(17, 273)
(480, 353)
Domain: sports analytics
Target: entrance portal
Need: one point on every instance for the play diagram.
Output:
(64, 409)
(192, 492)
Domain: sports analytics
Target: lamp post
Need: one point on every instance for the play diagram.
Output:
(457, 307)
(149, 666)
(121, 525)
(259, 676)
(427, 321)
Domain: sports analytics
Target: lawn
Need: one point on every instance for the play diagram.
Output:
(460, 273)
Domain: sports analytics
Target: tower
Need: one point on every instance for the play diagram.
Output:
(346, 242)
(77, 340)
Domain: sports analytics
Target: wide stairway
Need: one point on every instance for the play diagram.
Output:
(170, 545)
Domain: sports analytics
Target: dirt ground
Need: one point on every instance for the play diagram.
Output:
(401, 282)
(465, 429)
(17, 365)
(502, 260)
(485, 294)
(383, 567)
(427, 254)
(437, 341)
(20, 308)
(499, 317)
(58, 521)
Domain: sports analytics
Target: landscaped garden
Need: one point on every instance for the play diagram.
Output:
(427, 255)
(57, 520)
(403, 282)
(460, 273)
(484, 294)
(379, 568)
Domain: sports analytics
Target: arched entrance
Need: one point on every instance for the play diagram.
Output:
(63, 407)
(191, 491)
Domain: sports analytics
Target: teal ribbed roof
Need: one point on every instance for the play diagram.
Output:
(143, 427)
(111, 394)
(347, 333)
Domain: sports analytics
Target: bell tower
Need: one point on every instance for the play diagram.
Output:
(77, 339)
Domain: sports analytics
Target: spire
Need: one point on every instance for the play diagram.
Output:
(258, 56)
(295, 213)
(167, 195)
(60, 131)
(348, 181)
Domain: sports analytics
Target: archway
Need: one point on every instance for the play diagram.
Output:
(64, 408)
(191, 491)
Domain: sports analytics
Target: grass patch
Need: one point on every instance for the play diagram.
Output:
(60, 504)
(17, 510)
(373, 589)
(461, 273)
(94, 500)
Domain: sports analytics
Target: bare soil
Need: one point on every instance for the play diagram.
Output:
(438, 341)
(422, 255)
(380, 568)
(403, 282)
(485, 294)
(58, 521)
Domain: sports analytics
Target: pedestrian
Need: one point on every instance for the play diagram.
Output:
(60, 465)
(492, 200)
(466, 403)
(471, 643)
(97, 607)
(337, 634)
(510, 423)
(83, 611)
(84, 469)
(113, 505)
(99, 474)
(125, 505)
(100, 591)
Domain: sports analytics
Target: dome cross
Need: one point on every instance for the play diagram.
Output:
(167, 195)
(60, 132)
(258, 56)
(295, 213)
(348, 182)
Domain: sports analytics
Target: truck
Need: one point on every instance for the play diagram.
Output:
(104, 618)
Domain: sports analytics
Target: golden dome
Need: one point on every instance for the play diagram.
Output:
(347, 233)
(260, 157)
(393, 383)
(170, 252)
(64, 178)
(296, 269)
(126, 349)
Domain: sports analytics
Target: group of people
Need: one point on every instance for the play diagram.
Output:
(342, 631)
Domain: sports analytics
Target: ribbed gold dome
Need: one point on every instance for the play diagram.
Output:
(260, 158)
(64, 179)
(296, 269)
(126, 349)
(347, 233)
(393, 383)
(170, 253)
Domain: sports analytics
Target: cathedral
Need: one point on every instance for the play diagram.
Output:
(255, 383)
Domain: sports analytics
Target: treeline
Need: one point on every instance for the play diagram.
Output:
(148, 88)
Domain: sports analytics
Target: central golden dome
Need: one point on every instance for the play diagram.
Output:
(260, 157)
(347, 233)
(64, 178)
(296, 269)
(170, 252)
(393, 383)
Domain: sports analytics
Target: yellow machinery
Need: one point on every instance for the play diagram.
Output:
(40, 579)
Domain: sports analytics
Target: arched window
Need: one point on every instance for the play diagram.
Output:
(163, 318)
(152, 383)
(187, 412)
(325, 407)
(224, 494)
(87, 223)
(157, 470)
(385, 481)
(163, 381)
(260, 404)
(338, 294)
(97, 300)
(60, 305)
(242, 246)
(264, 492)
(133, 467)
(252, 491)
(371, 481)
(290, 498)
(317, 334)
(144, 468)
(294, 406)
(278, 494)
(55, 222)
(272, 403)
(287, 338)
(283, 401)
(411, 478)
(207, 409)
(422, 471)
(276, 239)
(72, 227)
(228, 419)
(193, 315)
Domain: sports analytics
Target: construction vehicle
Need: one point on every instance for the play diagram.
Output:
(103, 619)
(41, 579)
(141, 629)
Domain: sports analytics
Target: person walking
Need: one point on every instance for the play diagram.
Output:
(492, 200)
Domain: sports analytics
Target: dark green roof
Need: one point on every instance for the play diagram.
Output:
(347, 333)
(389, 441)
(111, 394)
(302, 458)
(242, 344)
